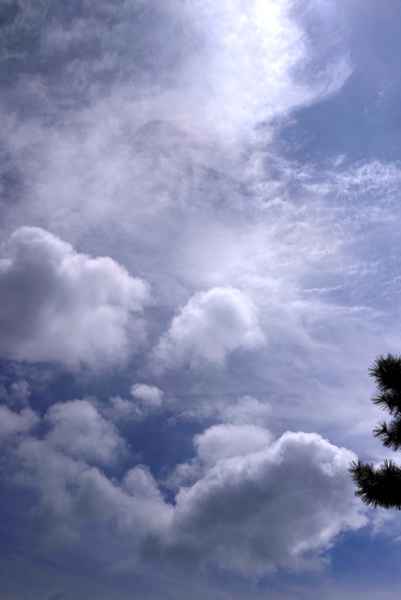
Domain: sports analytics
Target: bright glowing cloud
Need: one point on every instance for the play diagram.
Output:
(208, 328)
(59, 305)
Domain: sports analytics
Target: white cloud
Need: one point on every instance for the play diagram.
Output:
(149, 395)
(11, 422)
(246, 411)
(225, 441)
(209, 327)
(146, 400)
(254, 510)
(121, 408)
(80, 431)
(58, 305)
(247, 502)
(247, 67)
(182, 103)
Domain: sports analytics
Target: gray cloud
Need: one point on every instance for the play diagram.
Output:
(80, 431)
(72, 492)
(11, 422)
(253, 504)
(58, 305)
(258, 509)
(146, 400)
(17, 394)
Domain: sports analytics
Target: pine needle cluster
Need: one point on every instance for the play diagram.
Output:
(381, 486)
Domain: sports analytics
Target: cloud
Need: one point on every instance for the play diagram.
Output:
(72, 491)
(225, 441)
(146, 400)
(17, 394)
(58, 305)
(73, 494)
(149, 395)
(278, 504)
(80, 431)
(11, 422)
(234, 57)
(246, 502)
(250, 57)
(246, 411)
(172, 88)
(208, 328)
(134, 127)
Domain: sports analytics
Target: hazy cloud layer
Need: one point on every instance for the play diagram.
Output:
(240, 160)
(129, 107)
(58, 305)
(246, 411)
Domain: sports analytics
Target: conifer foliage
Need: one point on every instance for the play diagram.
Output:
(381, 486)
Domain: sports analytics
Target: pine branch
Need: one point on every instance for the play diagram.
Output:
(390, 401)
(386, 370)
(389, 434)
(378, 487)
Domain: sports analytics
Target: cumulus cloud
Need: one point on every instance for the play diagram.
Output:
(146, 399)
(80, 431)
(246, 502)
(224, 441)
(209, 327)
(278, 504)
(73, 491)
(11, 422)
(149, 395)
(59, 305)
(122, 408)
(73, 494)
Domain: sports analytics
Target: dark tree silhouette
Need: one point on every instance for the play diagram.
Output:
(381, 486)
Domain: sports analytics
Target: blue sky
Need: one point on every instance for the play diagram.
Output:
(199, 262)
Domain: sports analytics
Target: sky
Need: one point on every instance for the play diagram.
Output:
(199, 238)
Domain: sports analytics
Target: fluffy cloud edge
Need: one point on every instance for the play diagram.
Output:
(209, 327)
(247, 502)
(58, 305)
